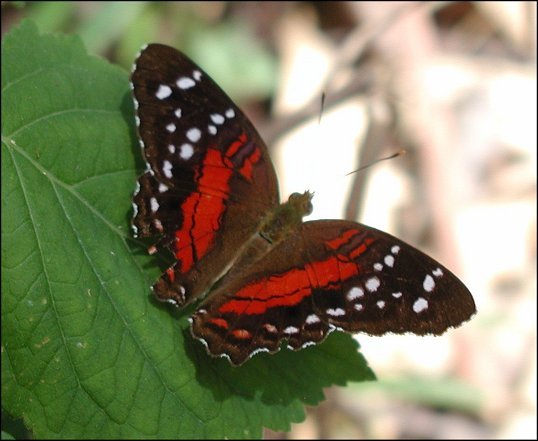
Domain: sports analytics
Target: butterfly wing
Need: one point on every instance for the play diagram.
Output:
(209, 180)
(330, 275)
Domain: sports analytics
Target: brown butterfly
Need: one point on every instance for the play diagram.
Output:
(210, 196)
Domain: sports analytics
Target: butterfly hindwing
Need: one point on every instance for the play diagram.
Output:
(331, 275)
(210, 180)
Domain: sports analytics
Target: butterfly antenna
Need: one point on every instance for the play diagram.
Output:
(395, 155)
(322, 107)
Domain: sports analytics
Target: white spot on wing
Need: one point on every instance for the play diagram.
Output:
(378, 266)
(311, 319)
(336, 312)
(438, 272)
(428, 284)
(212, 129)
(163, 92)
(185, 83)
(358, 307)
(171, 148)
(177, 112)
(167, 169)
(197, 75)
(380, 304)
(186, 151)
(194, 134)
(230, 113)
(217, 118)
(354, 293)
(154, 204)
(372, 284)
(420, 305)
(171, 127)
(396, 295)
(389, 260)
(163, 188)
(291, 330)
(395, 249)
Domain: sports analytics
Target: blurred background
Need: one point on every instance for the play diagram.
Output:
(333, 86)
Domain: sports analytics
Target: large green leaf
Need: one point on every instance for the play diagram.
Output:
(86, 352)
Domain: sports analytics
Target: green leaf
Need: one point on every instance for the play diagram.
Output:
(108, 23)
(441, 393)
(86, 351)
(6, 435)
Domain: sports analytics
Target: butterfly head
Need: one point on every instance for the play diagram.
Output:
(301, 203)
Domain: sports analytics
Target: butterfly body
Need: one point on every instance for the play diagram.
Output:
(210, 196)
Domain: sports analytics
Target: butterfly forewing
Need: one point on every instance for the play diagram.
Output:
(209, 181)
(331, 275)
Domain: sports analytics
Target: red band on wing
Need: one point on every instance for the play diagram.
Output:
(221, 323)
(291, 287)
(356, 252)
(171, 274)
(246, 170)
(342, 240)
(203, 208)
(244, 155)
(241, 334)
(236, 145)
(331, 272)
(351, 242)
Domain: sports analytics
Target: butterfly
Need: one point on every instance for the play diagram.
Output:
(210, 196)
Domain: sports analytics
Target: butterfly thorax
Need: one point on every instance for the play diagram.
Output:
(277, 226)
(285, 219)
